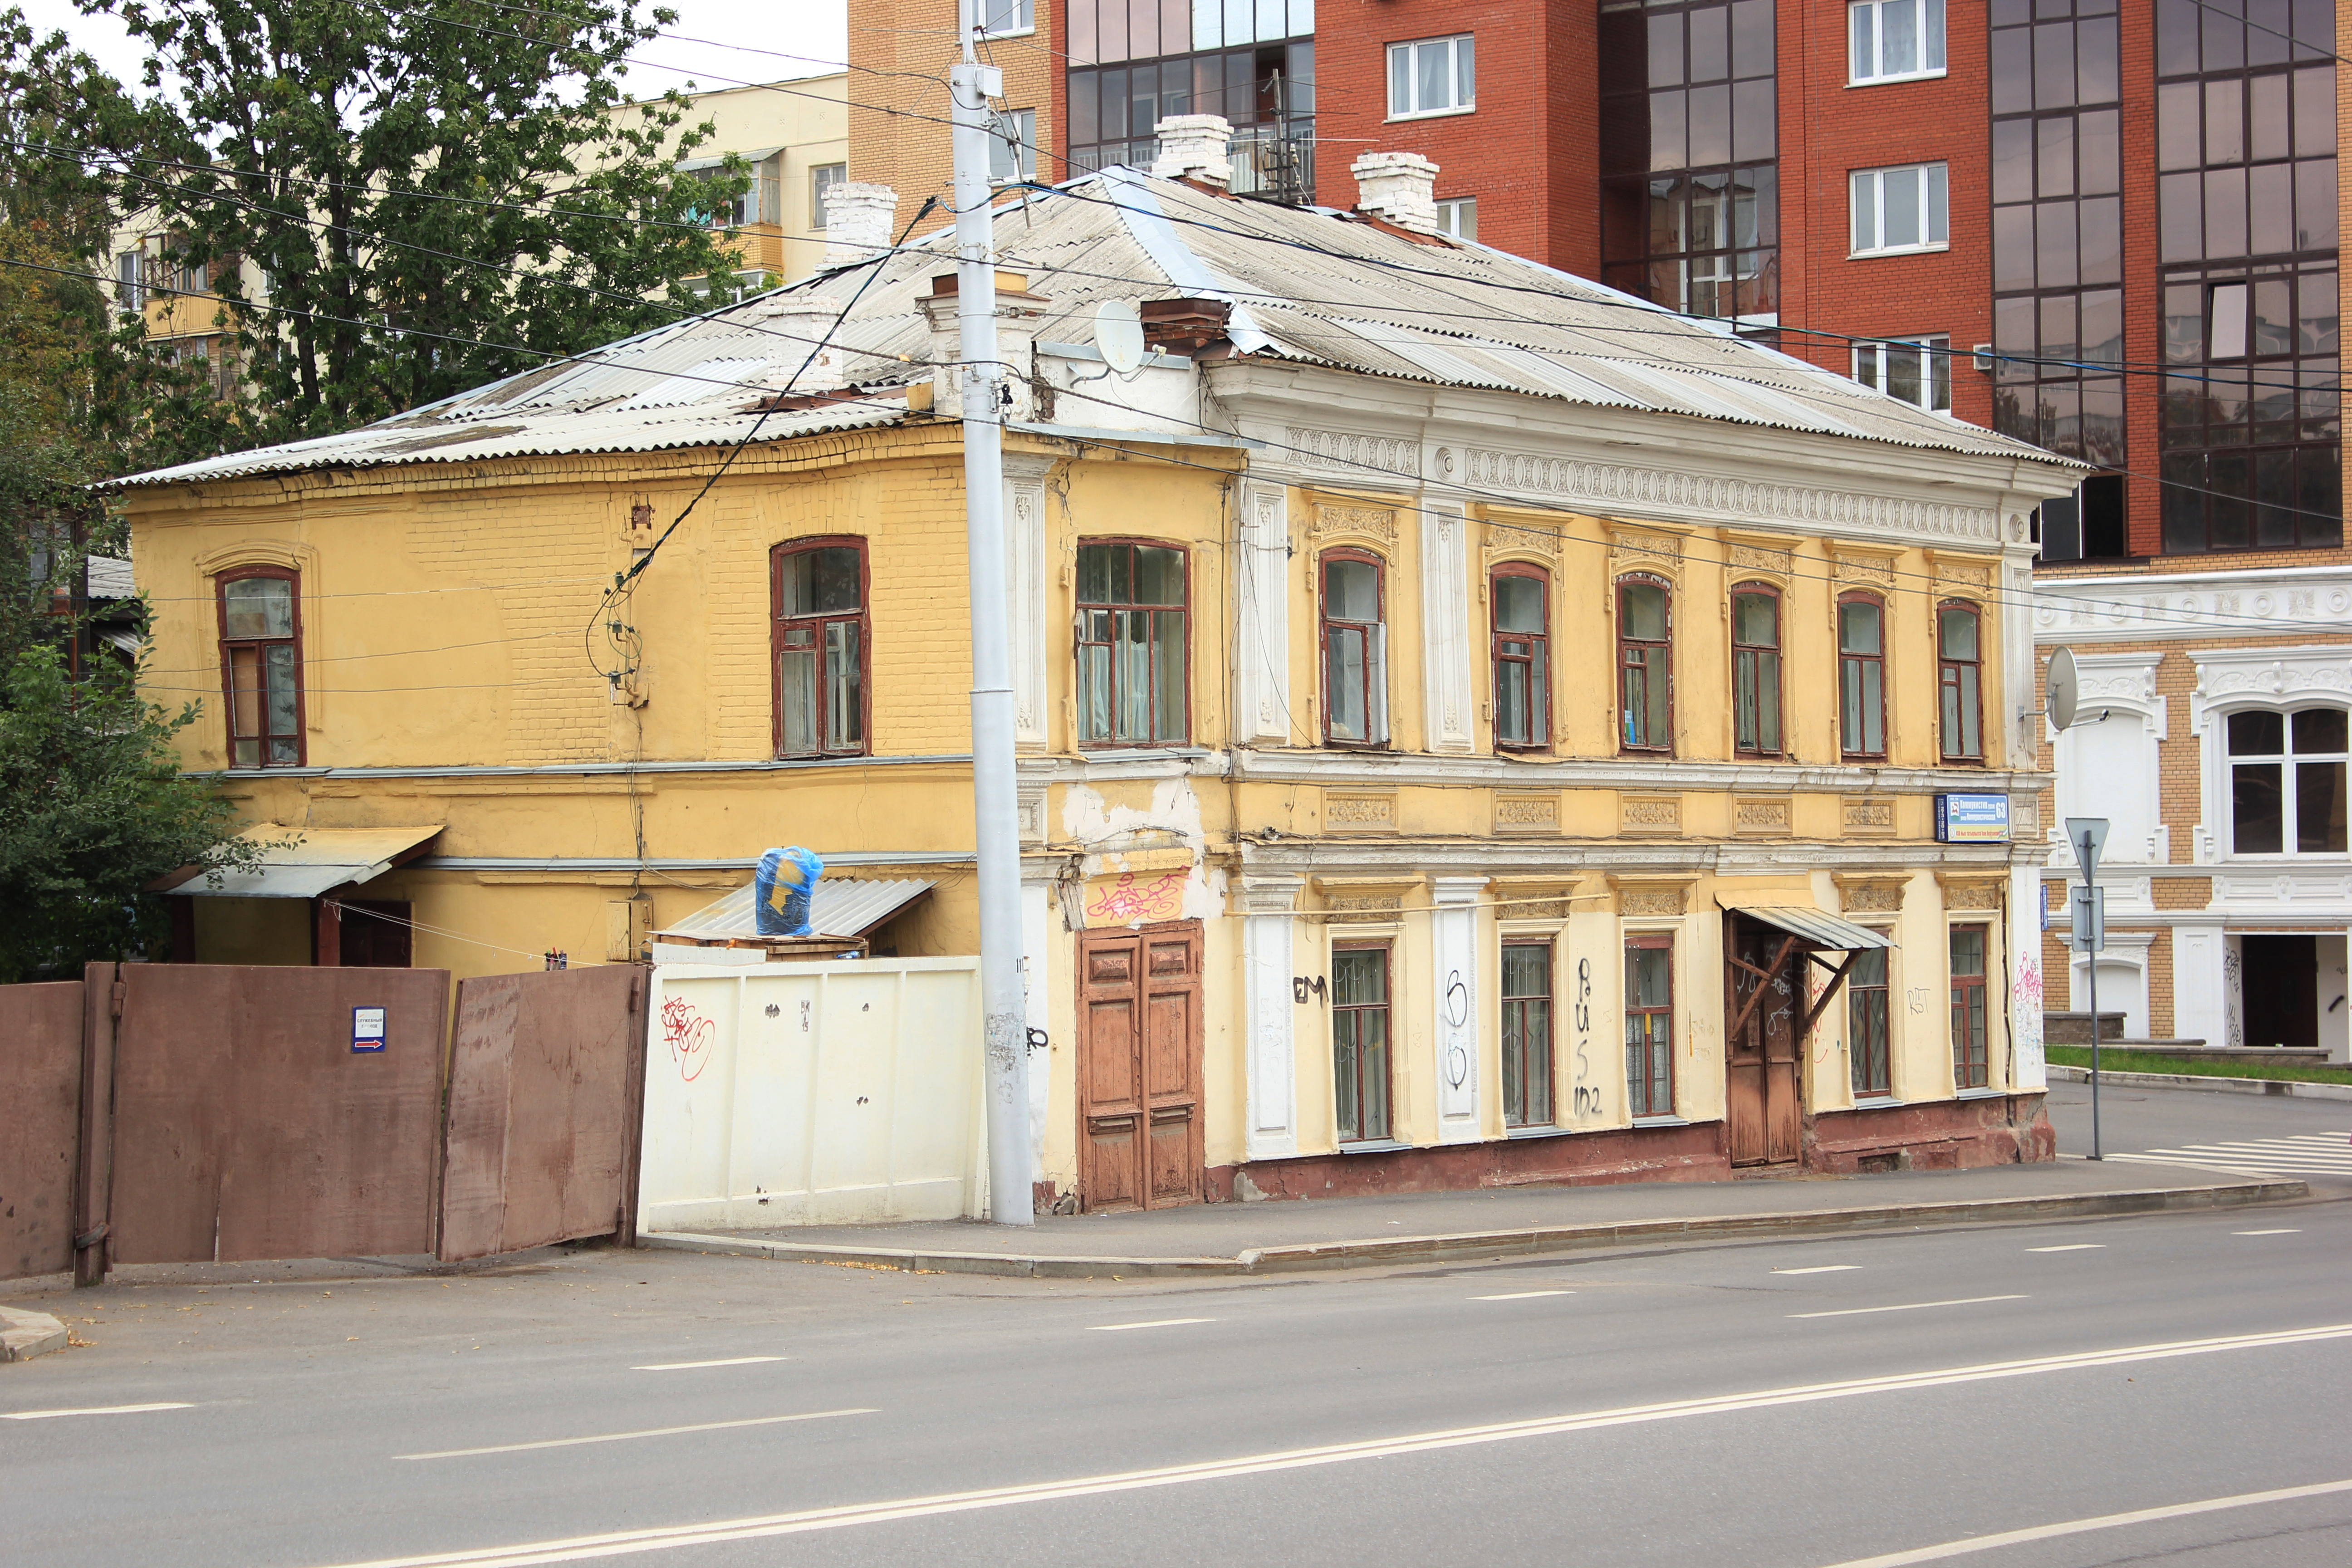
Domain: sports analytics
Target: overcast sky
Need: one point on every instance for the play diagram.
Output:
(799, 27)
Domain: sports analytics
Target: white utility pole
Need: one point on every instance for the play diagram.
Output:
(994, 798)
(2088, 835)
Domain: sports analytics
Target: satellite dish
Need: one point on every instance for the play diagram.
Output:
(2058, 690)
(1118, 333)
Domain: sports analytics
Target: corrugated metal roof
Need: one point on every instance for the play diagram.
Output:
(842, 908)
(1813, 925)
(110, 578)
(1307, 283)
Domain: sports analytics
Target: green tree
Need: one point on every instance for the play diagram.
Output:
(94, 807)
(439, 193)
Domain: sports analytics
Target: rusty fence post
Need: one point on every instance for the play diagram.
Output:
(632, 1094)
(101, 1011)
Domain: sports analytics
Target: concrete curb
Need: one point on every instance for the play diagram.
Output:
(2198, 1081)
(1383, 1251)
(24, 1335)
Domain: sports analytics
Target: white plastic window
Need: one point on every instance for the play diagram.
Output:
(1434, 76)
(995, 19)
(1901, 209)
(1458, 215)
(1896, 40)
(1916, 370)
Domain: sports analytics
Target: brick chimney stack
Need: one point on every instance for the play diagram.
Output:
(858, 220)
(1399, 186)
(1194, 147)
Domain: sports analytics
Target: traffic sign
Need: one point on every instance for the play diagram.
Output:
(2087, 910)
(2087, 835)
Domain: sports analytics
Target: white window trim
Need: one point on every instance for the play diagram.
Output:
(1940, 342)
(2234, 680)
(1924, 247)
(967, 10)
(1388, 55)
(2225, 822)
(1930, 74)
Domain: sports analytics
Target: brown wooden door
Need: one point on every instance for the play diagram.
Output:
(1761, 1048)
(1139, 1136)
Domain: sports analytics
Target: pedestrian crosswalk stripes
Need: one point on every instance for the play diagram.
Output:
(2296, 1154)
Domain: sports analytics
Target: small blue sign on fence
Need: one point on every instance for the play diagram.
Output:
(367, 1029)
(1972, 819)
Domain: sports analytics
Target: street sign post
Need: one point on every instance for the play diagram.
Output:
(2087, 835)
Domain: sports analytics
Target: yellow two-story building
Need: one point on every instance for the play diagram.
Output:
(1474, 728)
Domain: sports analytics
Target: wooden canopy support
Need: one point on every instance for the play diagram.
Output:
(1764, 978)
(1829, 994)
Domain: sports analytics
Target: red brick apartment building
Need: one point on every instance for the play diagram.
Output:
(2108, 226)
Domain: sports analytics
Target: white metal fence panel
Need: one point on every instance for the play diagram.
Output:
(812, 1094)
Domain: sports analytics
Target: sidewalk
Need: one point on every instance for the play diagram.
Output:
(1418, 1227)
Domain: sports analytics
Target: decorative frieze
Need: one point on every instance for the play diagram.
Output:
(1875, 571)
(1765, 815)
(1972, 896)
(1359, 813)
(1343, 449)
(1650, 814)
(1961, 572)
(1755, 558)
(1527, 814)
(1732, 501)
(1533, 910)
(1650, 902)
(1374, 909)
(1653, 546)
(1871, 895)
(1512, 539)
(1868, 815)
(1375, 522)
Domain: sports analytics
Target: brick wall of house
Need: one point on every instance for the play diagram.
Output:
(899, 51)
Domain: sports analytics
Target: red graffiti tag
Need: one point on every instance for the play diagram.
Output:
(688, 1034)
(1162, 898)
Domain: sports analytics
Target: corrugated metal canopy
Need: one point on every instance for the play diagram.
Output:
(1805, 921)
(843, 908)
(321, 859)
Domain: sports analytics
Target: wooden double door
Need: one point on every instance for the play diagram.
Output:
(1763, 1042)
(1139, 1133)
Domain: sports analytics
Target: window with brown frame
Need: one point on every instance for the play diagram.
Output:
(1970, 1061)
(1522, 611)
(1862, 677)
(1527, 1034)
(1359, 1041)
(1650, 1024)
(1133, 645)
(818, 643)
(1868, 1040)
(261, 666)
(1355, 650)
(1756, 669)
(1645, 665)
(1959, 669)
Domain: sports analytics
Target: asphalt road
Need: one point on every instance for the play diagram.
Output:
(1801, 1401)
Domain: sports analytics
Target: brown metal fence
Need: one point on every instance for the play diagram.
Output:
(165, 1113)
(40, 1125)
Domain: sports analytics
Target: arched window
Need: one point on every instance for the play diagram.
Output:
(1862, 678)
(1645, 665)
(261, 666)
(2286, 781)
(1756, 670)
(1959, 673)
(1134, 644)
(1521, 599)
(1355, 650)
(819, 644)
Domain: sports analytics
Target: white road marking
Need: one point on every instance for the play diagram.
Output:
(623, 1437)
(573, 1549)
(689, 1366)
(95, 1410)
(1820, 1268)
(2072, 1246)
(2078, 1526)
(1155, 1324)
(2266, 1232)
(2296, 1154)
(1907, 1307)
(1522, 1295)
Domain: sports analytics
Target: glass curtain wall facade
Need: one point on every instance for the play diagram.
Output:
(1689, 143)
(2057, 227)
(1132, 63)
(2246, 243)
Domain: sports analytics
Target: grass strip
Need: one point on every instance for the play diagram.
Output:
(2114, 1060)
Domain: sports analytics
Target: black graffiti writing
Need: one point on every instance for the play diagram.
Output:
(1301, 984)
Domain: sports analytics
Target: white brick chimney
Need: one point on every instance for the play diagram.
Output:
(858, 220)
(1018, 311)
(1399, 186)
(1194, 147)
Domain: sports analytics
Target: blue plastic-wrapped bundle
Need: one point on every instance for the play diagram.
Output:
(786, 883)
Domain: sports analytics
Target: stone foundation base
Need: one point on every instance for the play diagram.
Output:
(1936, 1135)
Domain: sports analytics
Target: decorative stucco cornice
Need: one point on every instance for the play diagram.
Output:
(2296, 601)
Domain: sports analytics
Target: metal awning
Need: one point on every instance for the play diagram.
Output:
(842, 908)
(1808, 923)
(319, 860)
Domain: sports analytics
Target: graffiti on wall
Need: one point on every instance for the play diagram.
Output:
(688, 1036)
(1586, 1096)
(1160, 898)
